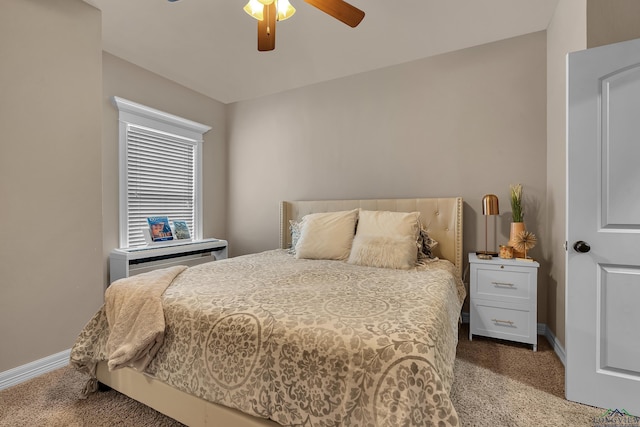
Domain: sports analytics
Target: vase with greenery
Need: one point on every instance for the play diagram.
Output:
(516, 203)
(517, 217)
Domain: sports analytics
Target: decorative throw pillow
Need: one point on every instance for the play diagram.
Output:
(294, 227)
(384, 252)
(326, 235)
(386, 239)
(426, 245)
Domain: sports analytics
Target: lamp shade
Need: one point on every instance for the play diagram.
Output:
(490, 205)
(255, 9)
(285, 10)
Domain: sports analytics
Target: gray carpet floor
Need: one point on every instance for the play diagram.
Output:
(498, 384)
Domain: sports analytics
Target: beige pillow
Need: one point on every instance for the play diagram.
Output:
(384, 252)
(326, 235)
(386, 239)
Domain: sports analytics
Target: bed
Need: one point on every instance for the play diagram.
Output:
(314, 342)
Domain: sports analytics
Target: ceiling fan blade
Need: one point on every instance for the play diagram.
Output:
(340, 10)
(267, 29)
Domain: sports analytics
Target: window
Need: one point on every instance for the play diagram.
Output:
(160, 170)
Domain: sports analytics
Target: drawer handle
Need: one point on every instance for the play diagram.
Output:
(502, 285)
(506, 322)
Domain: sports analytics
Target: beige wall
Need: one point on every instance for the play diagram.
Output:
(50, 189)
(128, 81)
(566, 33)
(612, 21)
(466, 123)
(60, 146)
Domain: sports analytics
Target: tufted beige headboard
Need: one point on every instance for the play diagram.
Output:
(442, 219)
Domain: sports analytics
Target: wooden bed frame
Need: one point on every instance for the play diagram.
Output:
(442, 217)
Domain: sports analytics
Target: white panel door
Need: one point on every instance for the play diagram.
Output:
(603, 212)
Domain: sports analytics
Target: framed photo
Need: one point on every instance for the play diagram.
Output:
(159, 228)
(181, 230)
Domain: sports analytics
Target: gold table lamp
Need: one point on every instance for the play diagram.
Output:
(489, 207)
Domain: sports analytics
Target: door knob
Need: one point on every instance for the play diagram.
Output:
(582, 247)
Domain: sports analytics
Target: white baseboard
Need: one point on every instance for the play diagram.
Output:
(557, 347)
(34, 369)
(542, 330)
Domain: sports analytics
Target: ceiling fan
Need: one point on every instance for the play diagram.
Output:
(267, 12)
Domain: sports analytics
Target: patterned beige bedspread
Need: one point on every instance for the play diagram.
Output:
(308, 342)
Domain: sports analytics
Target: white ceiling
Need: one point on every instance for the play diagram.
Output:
(210, 45)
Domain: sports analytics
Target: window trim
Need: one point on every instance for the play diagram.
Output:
(132, 113)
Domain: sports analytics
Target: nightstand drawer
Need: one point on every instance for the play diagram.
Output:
(503, 322)
(503, 285)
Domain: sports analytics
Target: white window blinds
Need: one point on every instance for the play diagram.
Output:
(160, 170)
(160, 180)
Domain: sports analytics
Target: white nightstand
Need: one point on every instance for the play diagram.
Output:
(503, 299)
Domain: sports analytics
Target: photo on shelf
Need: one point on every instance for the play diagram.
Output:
(181, 230)
(159, 228)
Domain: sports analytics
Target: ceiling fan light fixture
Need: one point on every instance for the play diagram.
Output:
(285, 10)
(268, 12)
(255, 8)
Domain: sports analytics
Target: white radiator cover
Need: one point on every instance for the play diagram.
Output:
(129, 262)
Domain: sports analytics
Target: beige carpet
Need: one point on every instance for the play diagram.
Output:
(497, 384)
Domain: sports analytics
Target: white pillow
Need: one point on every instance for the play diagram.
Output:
(386, 239)
(326, 235)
